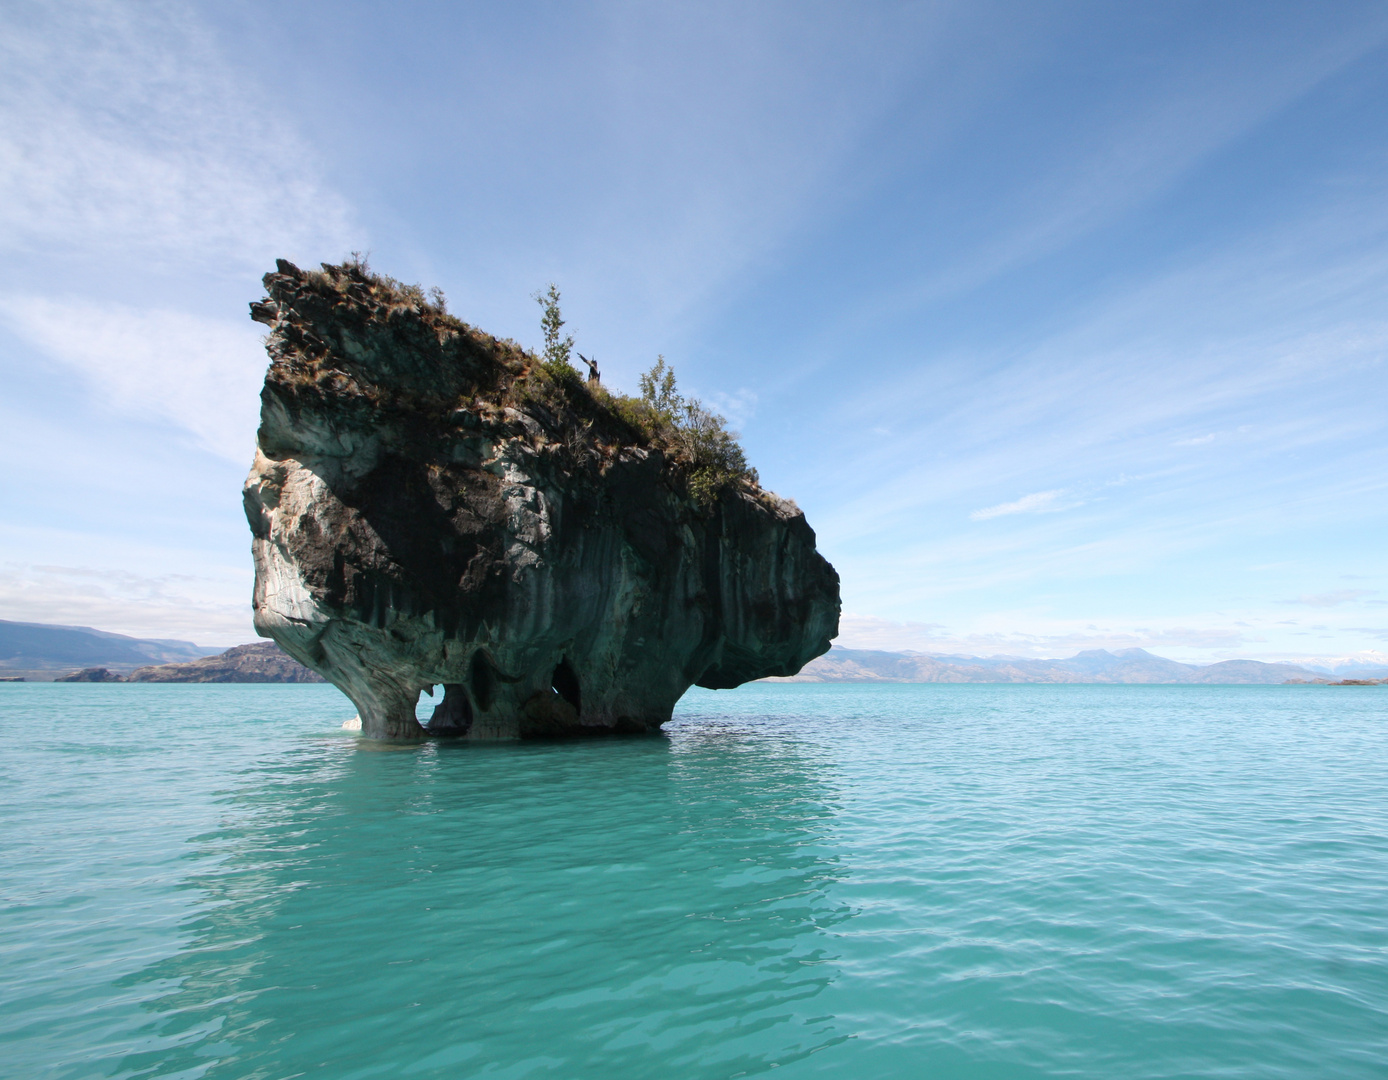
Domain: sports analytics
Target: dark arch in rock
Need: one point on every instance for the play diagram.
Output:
(564, 682)
(452, 715)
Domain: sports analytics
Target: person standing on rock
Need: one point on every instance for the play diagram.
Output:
(592, 368)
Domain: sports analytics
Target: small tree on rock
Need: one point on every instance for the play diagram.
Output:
(696, 435)
(557, 349)
(658, 391)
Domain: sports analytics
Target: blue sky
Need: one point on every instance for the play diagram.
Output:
(1064, 323)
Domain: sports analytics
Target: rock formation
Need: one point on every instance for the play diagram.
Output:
(260, 662)
(92, 674)
(431, 505)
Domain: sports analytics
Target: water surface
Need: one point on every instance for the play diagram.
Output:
(828, 880)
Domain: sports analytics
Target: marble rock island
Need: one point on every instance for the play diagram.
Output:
(433, 506)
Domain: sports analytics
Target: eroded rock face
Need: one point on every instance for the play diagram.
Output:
(429, 507)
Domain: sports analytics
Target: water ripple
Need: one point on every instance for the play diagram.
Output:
(848, 881)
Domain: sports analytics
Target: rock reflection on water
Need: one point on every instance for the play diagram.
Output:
(625, 907)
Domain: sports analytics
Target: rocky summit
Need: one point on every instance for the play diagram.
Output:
(433, 506)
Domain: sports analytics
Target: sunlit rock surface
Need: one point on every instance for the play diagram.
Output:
(429, 507)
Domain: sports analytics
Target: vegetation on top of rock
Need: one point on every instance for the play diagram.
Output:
(693, 433)
(491, 375)
(686, 429)
(557, 350)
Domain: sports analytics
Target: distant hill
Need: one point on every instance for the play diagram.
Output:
(48, 646)
(260, 662)
(1090, 666)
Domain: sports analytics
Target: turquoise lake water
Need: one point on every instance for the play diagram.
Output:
(824, 880)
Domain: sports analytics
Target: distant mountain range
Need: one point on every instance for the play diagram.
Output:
(28, 646)
(45, 650)
(1090, 666)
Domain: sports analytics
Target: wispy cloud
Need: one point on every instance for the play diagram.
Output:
(200, 375)
(127, 132)
(135, 154)
(1040, 502)
(1107, 171)
(1212, 436)
(211, 608)
(739, 407)
(1330, 599)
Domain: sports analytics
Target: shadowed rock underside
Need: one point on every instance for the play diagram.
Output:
(430, 505)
